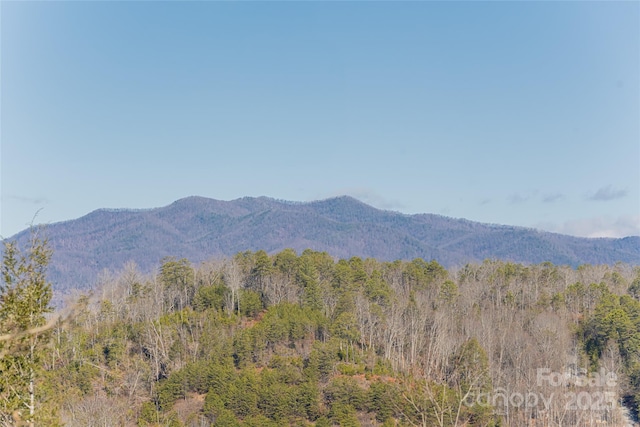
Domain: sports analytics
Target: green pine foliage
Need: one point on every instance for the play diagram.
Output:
(304, 340)
(25, 300)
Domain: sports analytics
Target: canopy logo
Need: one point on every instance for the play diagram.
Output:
(598, 379)
(578, 391)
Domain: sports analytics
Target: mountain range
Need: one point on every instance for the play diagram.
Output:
(199, 228)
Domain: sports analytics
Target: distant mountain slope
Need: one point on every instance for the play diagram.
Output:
(199, 228)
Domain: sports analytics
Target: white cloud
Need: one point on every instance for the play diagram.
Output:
(601, 226)
(604, 194)
(29, 200)
(522, 196)
(517, 198)
(551, 198)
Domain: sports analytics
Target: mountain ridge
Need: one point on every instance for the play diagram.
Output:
(200, 228)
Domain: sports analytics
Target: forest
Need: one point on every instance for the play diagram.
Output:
(304, 339)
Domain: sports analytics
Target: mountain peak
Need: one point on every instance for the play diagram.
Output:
(199, 228)
(344, 199)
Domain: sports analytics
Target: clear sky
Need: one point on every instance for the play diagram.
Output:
(521, 113)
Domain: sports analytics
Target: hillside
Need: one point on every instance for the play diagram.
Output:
(199, 228)
(309, 341)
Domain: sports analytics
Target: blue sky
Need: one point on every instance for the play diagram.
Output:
(503, 112)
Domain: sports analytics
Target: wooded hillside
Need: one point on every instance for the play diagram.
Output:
(198, 229)
(288, 339)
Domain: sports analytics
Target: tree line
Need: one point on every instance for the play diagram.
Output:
(305, 339)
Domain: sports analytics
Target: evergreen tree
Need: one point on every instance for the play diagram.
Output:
(25, 298)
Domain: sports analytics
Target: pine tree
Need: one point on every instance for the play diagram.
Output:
(25, 298)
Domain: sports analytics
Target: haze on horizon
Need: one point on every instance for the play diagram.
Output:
(519, 113)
